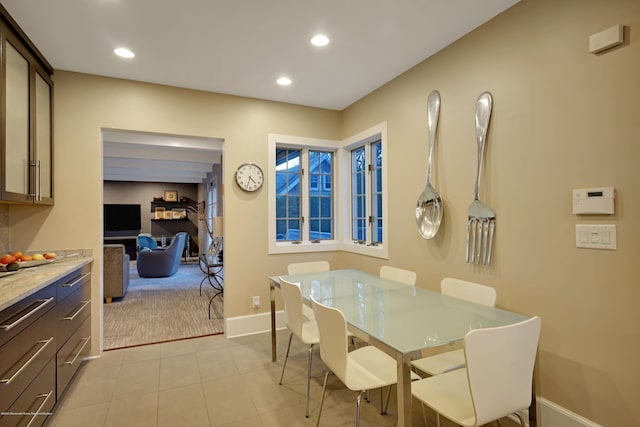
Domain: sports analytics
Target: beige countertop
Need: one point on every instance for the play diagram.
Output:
(27, 281)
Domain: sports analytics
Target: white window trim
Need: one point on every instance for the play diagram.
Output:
(297, 142)
(378, 131)
(342, 193)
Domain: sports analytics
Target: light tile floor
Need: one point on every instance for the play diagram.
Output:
(213, 381)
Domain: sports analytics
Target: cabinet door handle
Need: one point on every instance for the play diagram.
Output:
(42, 302)
(7, 381)
(75, 282)
(84, 344)
(39, 172)
(39, 410)
(73, 316)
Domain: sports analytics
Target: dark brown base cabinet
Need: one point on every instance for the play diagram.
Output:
(43, 340)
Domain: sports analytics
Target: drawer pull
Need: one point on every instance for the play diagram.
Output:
(75, 282)
(7, 381)
(73, 316)
(42, 302)
(72, 361)
(39, 410)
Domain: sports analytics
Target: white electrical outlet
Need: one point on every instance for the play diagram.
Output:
(255, 302)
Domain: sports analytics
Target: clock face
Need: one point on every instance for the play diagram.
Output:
(249, 177)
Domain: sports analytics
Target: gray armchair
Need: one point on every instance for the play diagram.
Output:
(162, 262)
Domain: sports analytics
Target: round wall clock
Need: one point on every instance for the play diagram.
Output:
(249, 177)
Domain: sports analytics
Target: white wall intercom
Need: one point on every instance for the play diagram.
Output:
(593, 200)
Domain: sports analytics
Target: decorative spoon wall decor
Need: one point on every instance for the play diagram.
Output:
(429, 206)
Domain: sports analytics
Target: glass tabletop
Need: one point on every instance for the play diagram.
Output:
(405, 318)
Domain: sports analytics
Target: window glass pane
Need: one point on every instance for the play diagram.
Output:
(376, 150)
(293, 229)
(326, 163)
(281, 183)
(281, 207)
(281, 229)
(314, 186)
(293, 207)
(288, 176)
(320, 193)
(358, 196)
(314, 162)
(314, 207)
(376, 197)
(325, 207)
(314, 229)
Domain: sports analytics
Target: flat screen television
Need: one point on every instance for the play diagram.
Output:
(121, 220)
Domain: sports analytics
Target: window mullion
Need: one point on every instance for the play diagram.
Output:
(304, 195)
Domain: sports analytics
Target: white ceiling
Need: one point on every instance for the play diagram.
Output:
(240, 47)
(149, 157)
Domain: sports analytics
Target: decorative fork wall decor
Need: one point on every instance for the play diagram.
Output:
(481, 223)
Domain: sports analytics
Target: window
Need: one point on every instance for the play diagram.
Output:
(367, 197)
(304, 200)
(328, 195)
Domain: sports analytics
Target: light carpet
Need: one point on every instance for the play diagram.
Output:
(162, 309)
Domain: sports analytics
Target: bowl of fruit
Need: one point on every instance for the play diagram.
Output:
(18, 259)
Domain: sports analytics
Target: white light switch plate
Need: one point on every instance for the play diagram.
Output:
(596, 236)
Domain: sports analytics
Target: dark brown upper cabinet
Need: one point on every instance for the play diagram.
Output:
(26, 118)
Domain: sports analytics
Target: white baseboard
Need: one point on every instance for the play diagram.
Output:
(553, 415)
(252, 324)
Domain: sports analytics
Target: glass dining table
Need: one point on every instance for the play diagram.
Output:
(394, 317)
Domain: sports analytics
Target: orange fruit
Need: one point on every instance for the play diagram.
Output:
(26, 257)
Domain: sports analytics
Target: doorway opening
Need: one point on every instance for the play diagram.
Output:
(174, 180)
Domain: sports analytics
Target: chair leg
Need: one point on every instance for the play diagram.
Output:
(424, 415)
(309, 377)
(386, 405)
(498, 421)
(358, 409)
(284, 365)
(521, 419)
(324, 388)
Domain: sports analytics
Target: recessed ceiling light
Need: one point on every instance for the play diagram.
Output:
(284, 81)
(123, 52)
(320, 40)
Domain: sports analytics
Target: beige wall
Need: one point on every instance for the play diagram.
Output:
(563, 119)
(84, 104)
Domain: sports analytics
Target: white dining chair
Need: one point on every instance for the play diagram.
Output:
(305, 329)
(469, 291)
(308, 267)
(497, 379)
(398, 275)
(363, 369)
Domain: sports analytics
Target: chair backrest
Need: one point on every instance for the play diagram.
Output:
(292, 306)
(308, 267)
(468, 291)
(177, 244)
(500, 365)
(398, 275)
(332, 327)
(146, 241)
